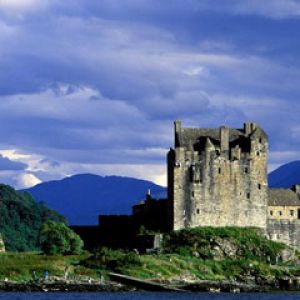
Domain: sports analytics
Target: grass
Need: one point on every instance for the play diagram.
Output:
(244, 243)
(189, 254)
(20, 266)
(202, 253)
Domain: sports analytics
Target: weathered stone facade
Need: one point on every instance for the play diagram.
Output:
(283, 222)
(218, 177)
(285, 231)
(284, 204)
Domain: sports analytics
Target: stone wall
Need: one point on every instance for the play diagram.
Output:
(285, 231)
(284, 212)
(219, 183)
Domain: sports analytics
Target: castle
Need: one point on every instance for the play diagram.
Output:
(216, 177)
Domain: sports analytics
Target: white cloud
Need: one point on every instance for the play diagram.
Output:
(270, 8)
(26, 180)
(94, 87)
(21, 5)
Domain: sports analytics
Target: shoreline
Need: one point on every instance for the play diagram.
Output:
(62, 286)
(117, 286)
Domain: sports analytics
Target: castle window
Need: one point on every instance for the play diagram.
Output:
(198, 211)
(260, 140)
(271, 212)
(298, 213)
(259, 186)
(257, 153)
(193, 194)
(280, 213)
(246, 170)
(291, 212)
(248, 195)
(219, 170)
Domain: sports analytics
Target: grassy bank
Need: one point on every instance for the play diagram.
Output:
(201, 253)
(207, 254)
(20, 266)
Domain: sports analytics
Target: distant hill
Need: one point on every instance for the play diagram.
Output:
(21, 219)
(81, 198)
(285, 176)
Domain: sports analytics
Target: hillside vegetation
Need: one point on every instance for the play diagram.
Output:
(216, 254)
(205, 254)
(21, 219)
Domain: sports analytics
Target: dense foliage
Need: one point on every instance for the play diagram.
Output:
(21, 219)
(113, 260)
(57, 238)
(223, 242)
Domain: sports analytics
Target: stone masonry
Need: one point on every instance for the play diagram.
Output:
(218, 177)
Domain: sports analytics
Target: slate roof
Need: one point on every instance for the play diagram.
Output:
(283, 197)
(188, 135)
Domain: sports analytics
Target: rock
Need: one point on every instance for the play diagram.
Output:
(228, 249)
(287, 254)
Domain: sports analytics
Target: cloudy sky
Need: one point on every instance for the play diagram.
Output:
(94, 86)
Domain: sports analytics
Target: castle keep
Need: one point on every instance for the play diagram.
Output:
(218, 177)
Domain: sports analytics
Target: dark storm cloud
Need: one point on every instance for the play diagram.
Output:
(101, 81)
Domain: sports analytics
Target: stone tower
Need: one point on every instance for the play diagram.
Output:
(218, 177)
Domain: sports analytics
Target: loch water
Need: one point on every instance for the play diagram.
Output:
(148, 296)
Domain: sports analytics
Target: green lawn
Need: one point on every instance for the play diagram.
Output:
(20, 266)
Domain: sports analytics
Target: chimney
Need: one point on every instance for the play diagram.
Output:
(224, 137)
(247, 128)
(177, 129)
(253, 126)
(177, 126)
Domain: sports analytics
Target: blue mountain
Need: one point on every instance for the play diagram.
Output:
(285, 176)
(81, 198)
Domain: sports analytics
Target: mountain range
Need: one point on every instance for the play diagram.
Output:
(81, 198)
(286, 175)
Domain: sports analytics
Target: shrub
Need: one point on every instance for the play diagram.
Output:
(114, 260)
(22, 218)
(57, 238)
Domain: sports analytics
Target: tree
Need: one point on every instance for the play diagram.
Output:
(21, 219)
(57, 238)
